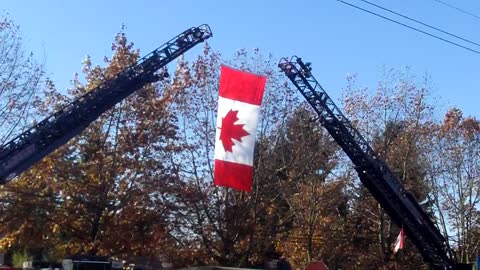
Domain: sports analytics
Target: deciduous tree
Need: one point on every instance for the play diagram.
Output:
(21, 81)
(105, 192)
(230, 228)
(455, 179)
(396, 121)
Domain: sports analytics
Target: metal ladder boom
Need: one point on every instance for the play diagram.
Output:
(401, 206)
(22, 152)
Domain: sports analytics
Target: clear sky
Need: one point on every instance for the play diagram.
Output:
(336, 38)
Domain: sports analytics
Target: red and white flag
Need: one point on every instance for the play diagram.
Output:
(399, 242)
(240, 97)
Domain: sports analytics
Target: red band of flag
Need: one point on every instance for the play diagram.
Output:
(234, 175)
(238, 86)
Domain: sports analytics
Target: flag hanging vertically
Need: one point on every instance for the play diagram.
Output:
(399, 242)
(240, 97)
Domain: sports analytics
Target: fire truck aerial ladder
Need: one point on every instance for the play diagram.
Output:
(43, 138)
(401, 206)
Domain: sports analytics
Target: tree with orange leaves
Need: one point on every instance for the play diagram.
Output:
(455, 181)
(104, 192)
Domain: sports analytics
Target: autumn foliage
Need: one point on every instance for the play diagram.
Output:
(137, 183)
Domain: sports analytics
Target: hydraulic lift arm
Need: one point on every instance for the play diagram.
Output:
(401, 206)
(43, 138)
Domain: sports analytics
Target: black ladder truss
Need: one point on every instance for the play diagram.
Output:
(43, 138)
(401, 206)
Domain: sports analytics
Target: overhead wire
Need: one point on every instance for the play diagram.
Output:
(458, 9)
(419, 22)
(411, 27)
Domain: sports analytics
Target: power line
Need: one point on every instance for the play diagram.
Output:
(459, 9)
(410, 27)
(419, 22)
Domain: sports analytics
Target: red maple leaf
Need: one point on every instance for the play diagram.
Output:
(231, 131)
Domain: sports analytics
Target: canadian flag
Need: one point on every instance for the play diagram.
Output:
(240, 97)
(399, 242)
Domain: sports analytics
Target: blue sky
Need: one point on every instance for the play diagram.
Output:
(336, 38)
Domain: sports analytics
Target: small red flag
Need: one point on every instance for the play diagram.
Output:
(399, 242)
(240, 97)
